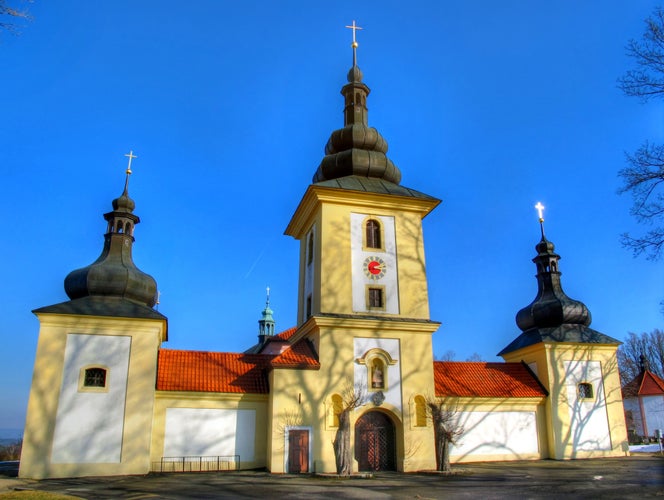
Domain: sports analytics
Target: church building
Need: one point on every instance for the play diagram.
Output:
(108, 399)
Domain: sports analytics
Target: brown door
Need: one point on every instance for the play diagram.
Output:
(375, 448)
(298, 451)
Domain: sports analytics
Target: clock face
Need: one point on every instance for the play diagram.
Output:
(374, 268)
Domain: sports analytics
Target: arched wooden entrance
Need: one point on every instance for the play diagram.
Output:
(375, 443)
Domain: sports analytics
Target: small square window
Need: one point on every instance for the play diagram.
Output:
(585, 391)
(95, 377)
(375, 298)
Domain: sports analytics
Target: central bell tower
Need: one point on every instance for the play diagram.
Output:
(363, 297)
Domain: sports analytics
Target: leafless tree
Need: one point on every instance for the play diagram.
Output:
(446, 429)
(352, 397)
(10, 15)
(650, 345)
(11, 451)
(644, 174)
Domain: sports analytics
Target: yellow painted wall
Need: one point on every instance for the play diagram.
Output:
(550, 359)
(146, 336)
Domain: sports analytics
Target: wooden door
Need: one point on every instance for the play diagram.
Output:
(375, 448)
(298, 451)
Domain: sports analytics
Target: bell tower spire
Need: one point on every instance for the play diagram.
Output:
(114, 273)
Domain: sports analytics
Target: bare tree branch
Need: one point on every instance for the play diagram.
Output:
(10, 15)
(643, 177)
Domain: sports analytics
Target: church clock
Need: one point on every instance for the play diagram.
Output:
(374, 267)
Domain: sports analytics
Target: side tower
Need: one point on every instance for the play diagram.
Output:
(93, 386)
(363, 303)
(576, 364)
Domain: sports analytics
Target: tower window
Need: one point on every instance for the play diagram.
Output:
(372, 234)
(308, 308)
(585, 391)
(375, 298)
(310, 248)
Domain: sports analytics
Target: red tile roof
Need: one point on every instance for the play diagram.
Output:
(300, 355)
(212, 372)
(286, 334)
(489, 380)
(644, 384)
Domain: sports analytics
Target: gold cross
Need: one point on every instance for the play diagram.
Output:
(540, 210)
(131, 156)
(354, 28)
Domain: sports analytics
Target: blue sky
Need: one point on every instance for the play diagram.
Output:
(491, 106)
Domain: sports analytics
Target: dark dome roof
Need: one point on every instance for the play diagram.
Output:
(114, 273)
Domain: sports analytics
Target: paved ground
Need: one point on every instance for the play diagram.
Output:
(630, 477)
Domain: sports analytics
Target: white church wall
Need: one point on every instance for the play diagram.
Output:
(507, 435)
(393, 379)
(210, 432)
(589, 425)
(89, 425)
(653, 407)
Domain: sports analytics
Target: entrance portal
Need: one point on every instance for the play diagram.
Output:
(375, 443)
(298, 451)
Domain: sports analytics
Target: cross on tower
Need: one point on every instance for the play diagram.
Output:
(354, 27)
(540, 211)
(131, 156)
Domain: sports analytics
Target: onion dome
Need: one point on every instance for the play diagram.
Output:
(356, 149)
(551, 307)
(114, 273)
(553, 316)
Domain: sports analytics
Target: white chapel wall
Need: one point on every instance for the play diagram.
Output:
(511, 434)
(89, 425)
(210, 432)
(653, 406)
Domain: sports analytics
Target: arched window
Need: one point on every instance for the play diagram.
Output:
(420, 412)
(94, 377)
(127, 228)
(372, 234)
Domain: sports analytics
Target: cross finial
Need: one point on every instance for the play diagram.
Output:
(540, 211)
(131, 156)
(268, 294)
(354, 27)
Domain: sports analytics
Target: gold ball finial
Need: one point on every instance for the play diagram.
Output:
(354, 45)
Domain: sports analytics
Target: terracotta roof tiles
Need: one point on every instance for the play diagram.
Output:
(481, 379)
(212, 372)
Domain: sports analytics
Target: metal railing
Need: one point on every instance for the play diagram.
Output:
(197, 464)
